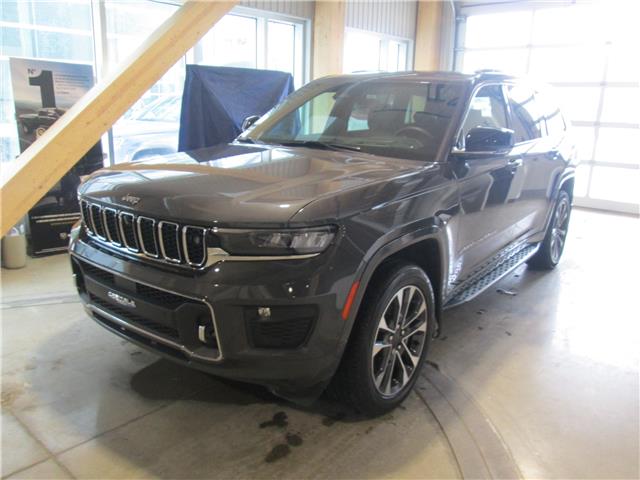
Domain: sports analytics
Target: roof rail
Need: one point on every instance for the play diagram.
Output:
(489, 70)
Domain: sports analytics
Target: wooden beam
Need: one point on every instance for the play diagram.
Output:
(428, 35)
(52, 155)
(328, 38)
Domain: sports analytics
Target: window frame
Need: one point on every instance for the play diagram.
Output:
(458, 145)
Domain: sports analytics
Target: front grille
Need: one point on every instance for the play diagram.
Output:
(110, 217)
(169, 241)
(128, 229)
(194, 239)
(158, 239)
(97, 221)
(147, 235)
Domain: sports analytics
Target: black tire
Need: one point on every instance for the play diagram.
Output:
(551, 248)
(354, 381)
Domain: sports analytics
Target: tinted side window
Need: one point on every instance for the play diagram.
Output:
(528, 119)
(554, 119)
(487, 109)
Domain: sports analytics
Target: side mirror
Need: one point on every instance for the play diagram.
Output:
(488, 139)
(250, 120)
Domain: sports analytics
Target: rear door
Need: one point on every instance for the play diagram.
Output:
(539, 132)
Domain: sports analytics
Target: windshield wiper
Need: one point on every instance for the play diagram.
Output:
(320, 145)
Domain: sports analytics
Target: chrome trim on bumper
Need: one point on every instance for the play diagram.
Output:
(146, 333)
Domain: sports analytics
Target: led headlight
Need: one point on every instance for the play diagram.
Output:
(276, 242)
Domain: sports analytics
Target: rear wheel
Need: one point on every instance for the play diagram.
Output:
(389, 341)
(550, 251)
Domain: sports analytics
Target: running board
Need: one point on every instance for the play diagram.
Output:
(504, 268)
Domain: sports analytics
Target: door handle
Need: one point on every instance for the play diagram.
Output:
(553, 154)
(515, 162)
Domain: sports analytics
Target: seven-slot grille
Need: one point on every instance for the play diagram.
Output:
(162, 240)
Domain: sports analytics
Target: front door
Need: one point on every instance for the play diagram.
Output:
(489, 185)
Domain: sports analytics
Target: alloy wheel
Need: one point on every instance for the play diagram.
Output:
(559, 229)
(399, 340)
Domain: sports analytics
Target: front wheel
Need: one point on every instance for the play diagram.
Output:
(551, 248)
(389, 341)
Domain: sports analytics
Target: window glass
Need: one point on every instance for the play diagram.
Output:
(368, 52)
(498, 30)
(617, 184)
(60, 30)
(565, 25)
(528, 120)
(588, 52)
(620, 65)
(361, 52)
(364, 106)
(232, 42)
(584, 138)
(552, 114)
(487, 109)
(401, 119)
(513, 60)
(150, 127)
(579, 103)
(568, 64)
(621, 104)
(618, 145)
(582, 180)
(316, 114)
(280, 46)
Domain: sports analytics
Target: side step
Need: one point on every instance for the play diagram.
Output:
(492, 276)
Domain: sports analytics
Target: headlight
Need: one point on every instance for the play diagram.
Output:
(275, 242)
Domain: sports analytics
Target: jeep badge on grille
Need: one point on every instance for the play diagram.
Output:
(130, 199)
(122, 300)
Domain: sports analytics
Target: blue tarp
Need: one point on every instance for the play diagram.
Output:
(216, 100)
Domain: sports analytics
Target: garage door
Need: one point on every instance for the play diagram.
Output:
(587, 52)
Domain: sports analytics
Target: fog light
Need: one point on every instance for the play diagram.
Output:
(264, 312)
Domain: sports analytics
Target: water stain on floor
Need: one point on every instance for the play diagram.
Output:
(279, 420)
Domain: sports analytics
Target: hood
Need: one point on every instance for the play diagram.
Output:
(234, 185)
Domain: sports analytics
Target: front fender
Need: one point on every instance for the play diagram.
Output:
(430, 230)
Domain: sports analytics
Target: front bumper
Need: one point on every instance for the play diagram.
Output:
(173, 308)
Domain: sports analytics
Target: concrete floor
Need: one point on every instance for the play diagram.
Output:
(540, 384)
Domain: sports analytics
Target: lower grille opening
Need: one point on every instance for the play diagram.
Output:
(153, 295)
(184, 321)
(123, 313)
(97, 273)
(174, 352)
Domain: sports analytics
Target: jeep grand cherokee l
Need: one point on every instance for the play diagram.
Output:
(322, 246)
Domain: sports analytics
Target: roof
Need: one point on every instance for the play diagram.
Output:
(479, 76)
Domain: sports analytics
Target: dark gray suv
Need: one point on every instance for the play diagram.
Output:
(322, 246)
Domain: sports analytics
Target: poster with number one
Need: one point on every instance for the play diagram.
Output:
(43, 91)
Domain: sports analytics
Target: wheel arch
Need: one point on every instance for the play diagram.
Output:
(425, 249)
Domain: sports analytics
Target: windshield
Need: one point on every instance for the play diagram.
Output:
(406, 119)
